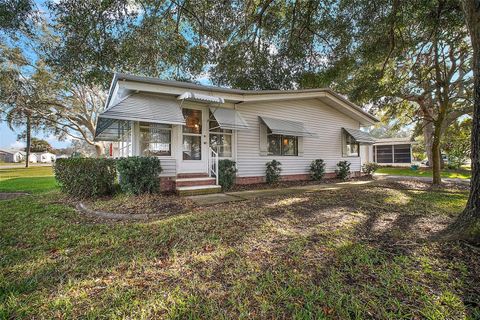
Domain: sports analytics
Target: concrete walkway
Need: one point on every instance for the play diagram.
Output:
(212, 199)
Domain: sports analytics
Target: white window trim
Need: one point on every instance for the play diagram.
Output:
(169, 128)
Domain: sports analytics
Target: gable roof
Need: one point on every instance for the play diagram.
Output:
(238, 95)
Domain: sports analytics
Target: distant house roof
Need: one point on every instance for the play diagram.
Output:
(12, 151)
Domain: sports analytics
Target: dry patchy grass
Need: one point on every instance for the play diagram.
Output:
(362, 252)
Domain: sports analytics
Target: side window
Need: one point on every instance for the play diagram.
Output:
(350, 147)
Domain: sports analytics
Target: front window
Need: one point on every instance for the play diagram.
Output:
(220, 139)
(350, 145)
(155, 139)
(280, 145)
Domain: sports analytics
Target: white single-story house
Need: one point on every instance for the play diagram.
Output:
(190, 127)
(33, 158)
(47, 157)
(390, 152)
(13, 156)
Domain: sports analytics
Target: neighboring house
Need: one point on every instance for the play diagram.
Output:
(12, 156)
(391, 152)
(190, 126)
(33, 158)
(46, 157)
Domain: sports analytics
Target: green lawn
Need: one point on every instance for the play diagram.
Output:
(32, 179)
(329, 254)
(422, 172)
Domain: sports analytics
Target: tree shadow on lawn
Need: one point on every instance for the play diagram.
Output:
(312, 254)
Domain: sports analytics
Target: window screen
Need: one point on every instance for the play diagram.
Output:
(402, 153)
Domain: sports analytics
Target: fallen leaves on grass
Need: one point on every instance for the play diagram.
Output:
(158, 204)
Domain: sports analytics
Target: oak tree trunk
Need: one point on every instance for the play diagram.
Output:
(467, 225)
(436, 157)
(29, 141)
(100, 149)
(428, 138)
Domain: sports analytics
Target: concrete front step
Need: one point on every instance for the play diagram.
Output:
(196, 190)
(190, 182)
(192, 175)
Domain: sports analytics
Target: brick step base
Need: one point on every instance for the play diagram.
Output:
(192, 175)
(189, 182)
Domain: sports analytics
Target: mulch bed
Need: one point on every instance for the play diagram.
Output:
(288, 184)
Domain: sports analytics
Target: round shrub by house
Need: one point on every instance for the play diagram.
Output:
(343, 170)
(317, 169)
(227, 171)
(139, 175)
(273, 171)
(86, 177)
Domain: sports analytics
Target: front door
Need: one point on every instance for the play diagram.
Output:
(193, 157)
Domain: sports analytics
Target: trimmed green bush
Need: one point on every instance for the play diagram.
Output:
(273, 171)
(369, 168)
(86, 177)
(139, 175)
(317, 169)
(226, 173)
(343, 170)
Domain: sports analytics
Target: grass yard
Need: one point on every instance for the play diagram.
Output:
(33, 179)
(328, 254)
(424, 172)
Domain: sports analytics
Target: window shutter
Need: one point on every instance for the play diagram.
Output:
(300, 146)
(263, 140)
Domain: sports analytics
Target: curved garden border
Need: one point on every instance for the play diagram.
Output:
(12, 195)
(116, 216)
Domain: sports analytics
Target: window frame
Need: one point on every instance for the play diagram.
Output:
(345, 144)
(281, 137)
(221, 132)
(168, 127)
(125, 142)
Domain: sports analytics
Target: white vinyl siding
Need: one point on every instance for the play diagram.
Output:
(169, 166)
(318, 119)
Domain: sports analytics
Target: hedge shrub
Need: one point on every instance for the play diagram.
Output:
(369, 168)
(317, 169)
(86, 177)
(273, 171)
(139, 175)
(343, 170)
(226, 173)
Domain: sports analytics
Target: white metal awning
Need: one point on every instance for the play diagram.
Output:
(229, 119)
(360, 136)
(200, 97)
(137, 107)
(286, 127)
(111, 129)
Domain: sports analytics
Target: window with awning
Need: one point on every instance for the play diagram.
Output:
(286, 127)
(138, 107)
(280, 137)
(229, 119)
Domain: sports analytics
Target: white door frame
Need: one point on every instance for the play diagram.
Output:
(194, 166)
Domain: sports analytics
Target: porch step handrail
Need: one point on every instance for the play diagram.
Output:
(213, 164)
